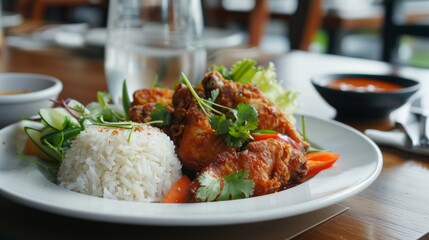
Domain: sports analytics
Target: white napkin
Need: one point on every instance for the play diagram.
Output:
(394, 138)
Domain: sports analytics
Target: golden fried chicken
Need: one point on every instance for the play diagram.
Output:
(197, 145)
(144, 101)
(273, 165)
(152, 95)
(269, 115)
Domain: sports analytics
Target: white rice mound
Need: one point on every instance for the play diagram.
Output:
(102, 162)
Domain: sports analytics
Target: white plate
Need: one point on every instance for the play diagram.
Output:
(359, 165)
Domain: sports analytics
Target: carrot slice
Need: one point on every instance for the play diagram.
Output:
(178, 193)
(318, 161)
(322, 156)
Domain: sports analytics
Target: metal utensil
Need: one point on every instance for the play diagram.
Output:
(422, 116)
(410, 130)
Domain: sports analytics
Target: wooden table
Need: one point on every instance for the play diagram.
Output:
(395, 206)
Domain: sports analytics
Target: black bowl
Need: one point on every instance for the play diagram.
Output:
(365, 105)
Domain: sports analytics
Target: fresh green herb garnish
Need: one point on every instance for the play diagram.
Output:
(224, 71)
(124, 124)
(303, 129)
(103, 108)
(241, 71)
(161, 114)
(235, 186)
(58, 140)
(263, 131)
(103, 99)
(213, 95)
(236, 132)
(244, 70)
(266, 81)
(209, 187)
(126, 103)
(313, 146)
(205, 105)
(234, 127)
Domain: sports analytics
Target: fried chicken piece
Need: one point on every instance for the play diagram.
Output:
(143, 114)
(145, 100)
(273, 165)
(269, 114)
(152, 95)
(197, 145)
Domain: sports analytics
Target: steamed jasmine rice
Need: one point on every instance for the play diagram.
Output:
(103, 163)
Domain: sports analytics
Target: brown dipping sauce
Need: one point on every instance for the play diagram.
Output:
(13, 92)
(363, 85)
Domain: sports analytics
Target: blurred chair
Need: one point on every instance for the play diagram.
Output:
(342, 16)
(38, 9)
(395, 26)
(303, 21)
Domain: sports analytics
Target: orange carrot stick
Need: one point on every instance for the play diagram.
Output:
(178, 192)
(322, 156)
(318, 161)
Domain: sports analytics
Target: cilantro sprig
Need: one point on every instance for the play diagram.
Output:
(236, 132)
(235, 186)
(235, 126)
(161, 114)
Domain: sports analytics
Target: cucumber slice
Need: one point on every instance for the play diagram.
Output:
(35, 136)
(58, 118)
(57, 138)
(47, 130)
(77, 108)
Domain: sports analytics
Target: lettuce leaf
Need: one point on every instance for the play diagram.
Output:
(266, 81)
(246, 71)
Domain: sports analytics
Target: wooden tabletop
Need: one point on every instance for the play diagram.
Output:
(395, 206)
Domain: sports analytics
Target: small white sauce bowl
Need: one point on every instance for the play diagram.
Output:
(41, 89)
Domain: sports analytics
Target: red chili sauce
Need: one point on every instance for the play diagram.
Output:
(363, 85)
